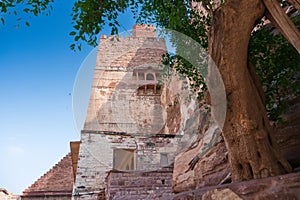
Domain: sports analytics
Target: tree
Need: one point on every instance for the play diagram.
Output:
(29, 7)
(247, 131)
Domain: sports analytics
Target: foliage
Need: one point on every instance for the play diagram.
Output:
(28, 7)
(90, 16)
(278, 65)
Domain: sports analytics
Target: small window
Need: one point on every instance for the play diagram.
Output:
(123, 159)
(150, 77)
(164, 160)
(141, 76)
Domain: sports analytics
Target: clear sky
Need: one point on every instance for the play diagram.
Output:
(37, 74)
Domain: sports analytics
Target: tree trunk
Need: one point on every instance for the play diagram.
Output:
(281, 21)
(247, 132)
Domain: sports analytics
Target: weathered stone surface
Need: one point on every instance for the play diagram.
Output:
(125, 126)
(213, 168)
(220, 195)
(285, 187)
(115, 104)
(139, 184)
(210, 163)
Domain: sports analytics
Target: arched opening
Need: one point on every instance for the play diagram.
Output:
(150, 77)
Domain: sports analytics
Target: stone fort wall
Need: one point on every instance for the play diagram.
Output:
(118, 117)
(140, 185)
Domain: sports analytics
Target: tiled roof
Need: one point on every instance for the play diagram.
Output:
(57, 181)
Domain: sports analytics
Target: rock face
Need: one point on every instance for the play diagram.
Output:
(211, 168)
(205, 162)
(220, 195)
(285, 187)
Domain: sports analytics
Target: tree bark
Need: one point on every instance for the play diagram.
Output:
(295, 3)
(247, 132)
(279, 18)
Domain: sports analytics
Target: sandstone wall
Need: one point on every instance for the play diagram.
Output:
(96, 157)
(114, 83)
(69, 197)
(116, 110)
(139, 185)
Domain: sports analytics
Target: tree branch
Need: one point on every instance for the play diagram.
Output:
(278, 17)
(295, 3)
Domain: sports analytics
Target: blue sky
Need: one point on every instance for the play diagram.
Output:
(37, 74)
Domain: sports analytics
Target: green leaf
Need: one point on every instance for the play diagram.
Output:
(72, 33)
(77, 38)
(72, 47)
(26, 10)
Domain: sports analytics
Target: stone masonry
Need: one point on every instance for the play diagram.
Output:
(139, 185)
(125, 127)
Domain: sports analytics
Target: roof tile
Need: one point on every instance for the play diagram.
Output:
(57, 180)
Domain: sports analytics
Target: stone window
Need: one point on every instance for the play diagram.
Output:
(164, 159)
(141, 76)
(150, 77)
(123, 159)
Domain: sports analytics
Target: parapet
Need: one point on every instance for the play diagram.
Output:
(143, 31)
(131, 50)
(138, 31)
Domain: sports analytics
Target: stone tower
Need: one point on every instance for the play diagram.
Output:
(125, 126)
